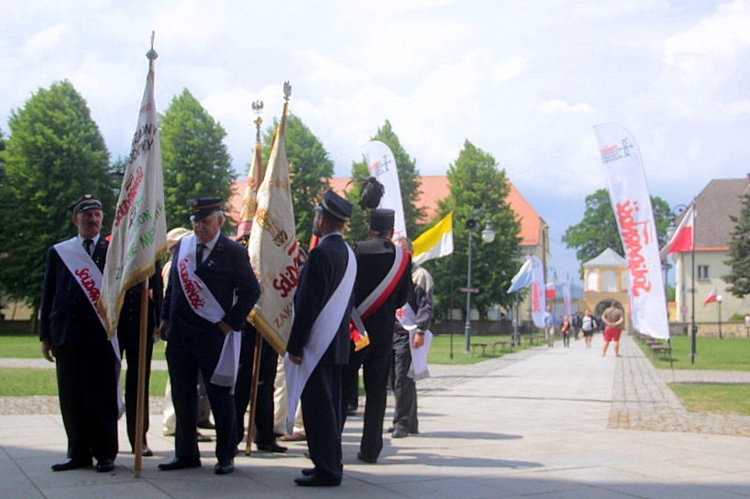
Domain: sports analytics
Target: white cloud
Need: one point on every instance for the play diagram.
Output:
(556, 106)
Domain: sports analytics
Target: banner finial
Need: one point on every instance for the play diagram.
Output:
(151, 54)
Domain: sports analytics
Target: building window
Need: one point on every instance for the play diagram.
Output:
(702, 271)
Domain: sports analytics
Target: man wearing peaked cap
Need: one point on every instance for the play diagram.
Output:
(326, 281)
(210, 291)
(73, 337)
(378, 292)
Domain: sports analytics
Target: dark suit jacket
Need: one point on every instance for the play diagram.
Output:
(321, 275)
(66, 314)
(374, 259)
(227, 273)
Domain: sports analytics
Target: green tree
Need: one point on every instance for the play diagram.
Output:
(310, 168)
(478, 191)
(738, 277)
(408, 180)
(194, 158)
(55, 153)
(598, 229)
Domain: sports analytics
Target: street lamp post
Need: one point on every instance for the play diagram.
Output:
(488, 235)
(719, 299)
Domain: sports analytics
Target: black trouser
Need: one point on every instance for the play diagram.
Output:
(87, 387)
(129, 348)
(321, 413)
(185, 359)
(264, 398)
(404, 387)
(376, 362)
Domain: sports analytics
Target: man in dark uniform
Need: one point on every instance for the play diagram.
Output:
(383, 286)
(325, 291)
(264, 437)
(73, 336)
(128, 335)
(211, 290)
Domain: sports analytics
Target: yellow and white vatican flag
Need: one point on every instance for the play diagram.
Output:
(250, 197)
(273, 247)
(628, 193)
(382, 165)
(139, 228)
(435, 242)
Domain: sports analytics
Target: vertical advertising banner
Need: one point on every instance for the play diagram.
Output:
(382, 165)
(631, 203)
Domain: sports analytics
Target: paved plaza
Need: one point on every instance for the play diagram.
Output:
(544, 422)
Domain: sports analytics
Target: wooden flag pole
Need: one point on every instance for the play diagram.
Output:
(141, 398)
(253, 391)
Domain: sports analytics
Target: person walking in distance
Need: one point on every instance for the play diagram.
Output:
(613, 319)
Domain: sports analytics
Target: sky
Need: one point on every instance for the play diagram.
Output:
(525, 81)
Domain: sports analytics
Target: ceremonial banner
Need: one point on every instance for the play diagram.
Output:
(523, 277)
(435, 242)
(249, 197)
(566, 299)
(631, 203)
(538, 298)
(382, 165)
(139, 228)
(273, 247)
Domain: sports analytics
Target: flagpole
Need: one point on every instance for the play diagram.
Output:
(141, 396)
(693, 327)
(253, 391)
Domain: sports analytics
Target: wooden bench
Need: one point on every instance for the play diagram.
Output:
(661, 350)
(506, 346)
(535, 338)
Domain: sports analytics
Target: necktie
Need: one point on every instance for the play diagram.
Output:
(199, 253)
(87, 245)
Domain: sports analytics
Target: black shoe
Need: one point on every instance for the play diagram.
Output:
(70, 464)
(368, 460)
(224, 467)
(351, 411)
(207, 425)
(399, 432)
(389, 430)
(105, 465)
(145, 451)
(316, 481)
(179, 464)
(203, 438)
(272, 447)
(308, 471)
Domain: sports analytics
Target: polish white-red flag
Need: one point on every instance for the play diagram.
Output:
(710, 298)
(631, 203)
(682, 239)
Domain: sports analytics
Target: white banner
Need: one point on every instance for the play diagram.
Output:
(566, 299)
(139, 228)
(538, 294)
(250, 196)
(273, 247)
(382, 165)
(631, 203)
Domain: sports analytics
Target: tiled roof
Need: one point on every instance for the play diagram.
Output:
(607, 258)
(432, 189)
(713, 206)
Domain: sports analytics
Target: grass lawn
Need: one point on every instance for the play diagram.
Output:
(25, 382)
(729, 354)
(717, 399)
(29, 347)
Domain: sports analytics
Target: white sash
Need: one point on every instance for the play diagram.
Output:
(321, 335)
(89, 277)
(205, 305)
(84, 271)
(408, 319)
